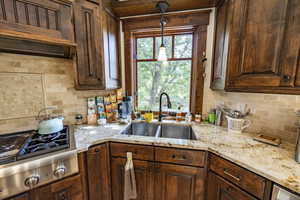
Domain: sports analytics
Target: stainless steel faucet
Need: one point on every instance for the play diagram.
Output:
(169, 104)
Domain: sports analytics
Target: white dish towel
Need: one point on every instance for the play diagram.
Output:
(129, 179)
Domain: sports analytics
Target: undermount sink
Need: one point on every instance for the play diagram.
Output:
(142, 129)
(177, 131)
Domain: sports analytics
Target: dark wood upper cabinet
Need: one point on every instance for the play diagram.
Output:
(41, 27)
(175, 182)
(96, 37)
(257, 46)
(221, 46)
(88, 38)
(220, 189)
(111, 50)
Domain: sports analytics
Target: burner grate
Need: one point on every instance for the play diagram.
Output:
(10, 145)
(42, 144)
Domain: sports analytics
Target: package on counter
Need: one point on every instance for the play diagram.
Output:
(111, 117)
(91, 110)
(106, 100)
(102, 115)
(92, 119)
(114, 106)
(119, 94)
(100, 108)
(91, 102)
(113, 98)
(108, 107)
(99, 100)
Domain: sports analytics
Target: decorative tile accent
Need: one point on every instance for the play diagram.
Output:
(22, 95)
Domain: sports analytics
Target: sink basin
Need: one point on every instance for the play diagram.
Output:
(177, 131)
(142, 129)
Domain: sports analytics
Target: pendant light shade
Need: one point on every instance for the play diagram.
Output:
(162, 56)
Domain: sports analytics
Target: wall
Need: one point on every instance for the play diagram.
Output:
(58, 90)
(271, 114)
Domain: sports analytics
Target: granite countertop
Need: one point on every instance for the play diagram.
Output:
(274, 163)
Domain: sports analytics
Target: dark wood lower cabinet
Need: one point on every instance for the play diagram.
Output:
(220, 189)
(24, 196)
(66, 189)
(176, 182)
(98, 171)
(159, 181)
(143, 174)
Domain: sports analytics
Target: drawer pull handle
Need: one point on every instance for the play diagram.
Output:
(178, 158)
(232, 176)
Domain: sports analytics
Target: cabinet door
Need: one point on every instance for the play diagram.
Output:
(291, 60)
(257, 42)
(111, 54)
(222, 29)
(66, 189)
(98, 173)
(143, 174)
(24, 196)
(220, 189)
(89, 51)
(176, 182)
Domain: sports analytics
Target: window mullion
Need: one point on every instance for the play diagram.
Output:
(173, 46)
(154, 47)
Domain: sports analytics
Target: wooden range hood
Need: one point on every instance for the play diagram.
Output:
(37, 27)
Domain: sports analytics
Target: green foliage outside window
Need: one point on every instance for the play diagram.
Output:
(154, 77)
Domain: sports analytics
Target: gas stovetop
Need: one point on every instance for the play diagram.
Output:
(22, 145)
(28, 160)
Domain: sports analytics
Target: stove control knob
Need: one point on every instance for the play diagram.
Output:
(32, 181)
(60, 171)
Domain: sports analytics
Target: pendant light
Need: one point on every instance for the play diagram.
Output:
(162, 56)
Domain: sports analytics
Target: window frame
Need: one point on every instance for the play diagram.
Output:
(155, 34)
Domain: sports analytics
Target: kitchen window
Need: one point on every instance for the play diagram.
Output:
(154, 77)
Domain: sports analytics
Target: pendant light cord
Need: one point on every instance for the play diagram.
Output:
(162, 30)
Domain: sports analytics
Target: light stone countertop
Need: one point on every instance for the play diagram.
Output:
(274, 163)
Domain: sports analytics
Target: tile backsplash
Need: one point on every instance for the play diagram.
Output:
(271, 114)
(57, 88)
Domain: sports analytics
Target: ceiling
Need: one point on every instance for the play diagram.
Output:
(124, 8)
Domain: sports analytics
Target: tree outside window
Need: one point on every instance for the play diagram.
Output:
(153, 77)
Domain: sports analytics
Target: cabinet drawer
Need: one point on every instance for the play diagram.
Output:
(247, 180)
(139, 152)
(180, 156)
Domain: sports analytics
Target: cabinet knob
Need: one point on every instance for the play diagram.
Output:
(286, 78)
(63, 197)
